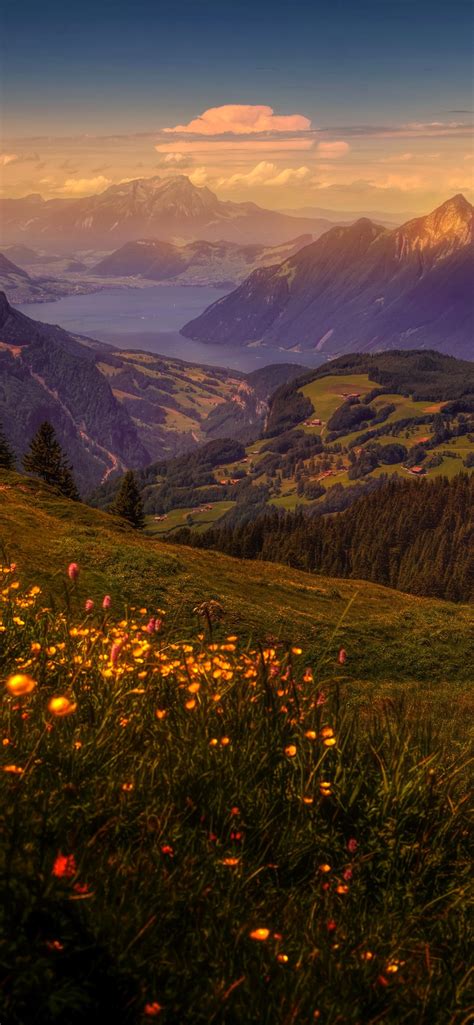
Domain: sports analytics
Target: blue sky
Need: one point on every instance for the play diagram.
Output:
(104, 69)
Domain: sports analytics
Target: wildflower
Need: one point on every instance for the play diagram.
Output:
(106, 601)
(213, 742)
(54, 945)
(167, 849)
(64, 866)
(325, 868)
(235, 810)
(347, 874)
(331, 925)
(151, 1010)
(78, 745)
(311, 734)
(297, 651)
(367, 955)
(151, 625)
(160, 713)
(341, 658)
(282, 958)
(62, 706)
(324, 789)
(225, 741)
(329, 742)
(20, 683)
(14, 769)
(73, 571)
(321, 699)
(290, 750)
(308, 800)
(190, 704)
(82, 889)
(327, 732)
(393, 966)
(230, 861)
(342, 888)
(352, 845)
(260, 934)
(127, 787)
(89, 605)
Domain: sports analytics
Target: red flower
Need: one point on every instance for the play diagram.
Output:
(167, 849)
(341, 658)
(352, 845)
(64, 866)
(73, 571)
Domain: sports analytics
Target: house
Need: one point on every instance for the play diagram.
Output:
(417, 470)
(316, 423)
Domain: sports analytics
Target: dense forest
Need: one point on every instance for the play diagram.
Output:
(414, 535)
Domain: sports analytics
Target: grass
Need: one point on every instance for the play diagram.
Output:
(326, 393)
(207, 831)
(177, 518)
(390, 636)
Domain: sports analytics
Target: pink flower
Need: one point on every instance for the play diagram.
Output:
(341, 658)
(151, 626)
(116, 649)
(321, 699)
(107, 601)
(347, 874)
(89, 605)
(352, 845)
(73, 571)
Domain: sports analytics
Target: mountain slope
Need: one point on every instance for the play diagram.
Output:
(389, 635)
(360, 288)
(194, 263)
(171, 209)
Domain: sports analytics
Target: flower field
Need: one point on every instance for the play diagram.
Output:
(197, 829)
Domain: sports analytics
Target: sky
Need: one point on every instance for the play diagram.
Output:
(327, 104)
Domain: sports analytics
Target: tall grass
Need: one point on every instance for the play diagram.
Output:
(203, 832)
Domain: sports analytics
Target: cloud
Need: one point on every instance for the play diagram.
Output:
(8, 158)
(236, 145)
(266, 173)
(84, 186)
(199, 177)
(333, 150)
(242, 119)
(397, 158)
(176, 159)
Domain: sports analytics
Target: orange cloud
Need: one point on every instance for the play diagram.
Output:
(242, 119)
(237, 145)
(266, 173)
(85, 186)
(333, 150)
(8, 158)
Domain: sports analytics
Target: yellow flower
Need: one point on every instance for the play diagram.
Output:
(282, 958)
(325, 868)
(62, 706)
(230, 861)
(329, 742)
(225, 741)
(260, 934)
(311, 734)
(327, 732)
(14, 769)
(20, 683)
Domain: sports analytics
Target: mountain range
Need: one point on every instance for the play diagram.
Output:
(359, 288)
(194, 263)
(171, 209)
(111, 409)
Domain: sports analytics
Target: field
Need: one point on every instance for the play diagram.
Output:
(199, 520)
(197, 829)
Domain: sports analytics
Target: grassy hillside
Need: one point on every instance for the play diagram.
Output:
(389, 636)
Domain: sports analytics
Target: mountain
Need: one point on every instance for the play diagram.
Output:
(195, 263)
(360, 288)
(170, 209)
(112, 409)
(329, 437)
(48, 374)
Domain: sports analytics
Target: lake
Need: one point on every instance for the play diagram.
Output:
(150, 318)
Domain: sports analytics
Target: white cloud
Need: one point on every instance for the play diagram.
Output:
(8, 158)
(266, 173)
(333, 150)
(242, 119)
(175, 159)
(84, 186)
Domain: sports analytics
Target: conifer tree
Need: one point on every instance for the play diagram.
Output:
(128, 502)
(7, 459)
(47, 460)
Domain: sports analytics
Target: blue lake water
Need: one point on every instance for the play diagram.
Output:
(150, 318)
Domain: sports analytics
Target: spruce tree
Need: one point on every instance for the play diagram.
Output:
(7, 459)
(128, 503)
(47, 460)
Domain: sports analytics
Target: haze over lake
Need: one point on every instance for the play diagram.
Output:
(150, 318)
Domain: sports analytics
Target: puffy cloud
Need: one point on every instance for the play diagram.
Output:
(84, 186)
(242, 119)
(236, 145)
(176, 159)
(199, 177)
(266, 173)
(8, 158)
(333, 150)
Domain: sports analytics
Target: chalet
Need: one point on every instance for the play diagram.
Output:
(316, 423)
(417, 470)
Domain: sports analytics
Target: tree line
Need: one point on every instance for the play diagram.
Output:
(416, 536)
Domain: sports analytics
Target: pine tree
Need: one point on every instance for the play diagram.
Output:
(7, 459)
(47, 460)
(128, 502)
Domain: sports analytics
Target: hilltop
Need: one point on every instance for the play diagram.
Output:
(388, 635)
(360, 288)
